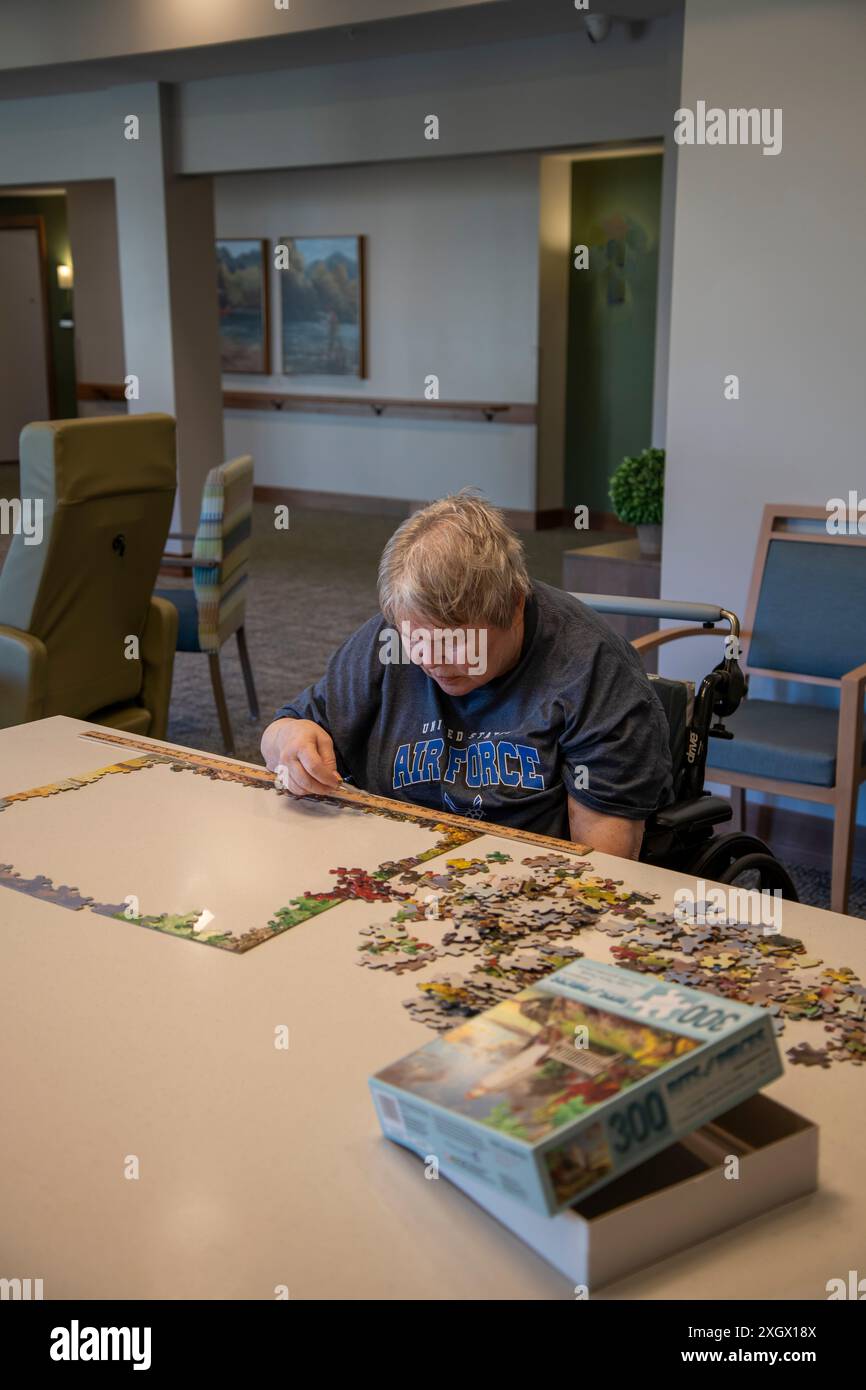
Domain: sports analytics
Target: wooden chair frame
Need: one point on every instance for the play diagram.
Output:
(850, 768)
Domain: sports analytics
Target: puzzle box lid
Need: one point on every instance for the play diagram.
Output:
(557, 1057)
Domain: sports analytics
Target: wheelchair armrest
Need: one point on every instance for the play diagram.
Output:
(634, 607)
(698, 810)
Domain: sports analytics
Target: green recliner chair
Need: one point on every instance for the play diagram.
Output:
(71, 601)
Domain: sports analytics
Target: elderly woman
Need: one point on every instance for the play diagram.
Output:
(479, 691)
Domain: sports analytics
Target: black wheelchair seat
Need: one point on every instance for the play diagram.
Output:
(705, 810)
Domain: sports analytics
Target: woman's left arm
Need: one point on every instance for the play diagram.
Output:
(607, 834)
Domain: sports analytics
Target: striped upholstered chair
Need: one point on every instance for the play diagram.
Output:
(214, 607)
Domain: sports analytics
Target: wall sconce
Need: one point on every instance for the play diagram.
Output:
(64, 277)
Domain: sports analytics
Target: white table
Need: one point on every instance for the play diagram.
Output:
(261, 1167)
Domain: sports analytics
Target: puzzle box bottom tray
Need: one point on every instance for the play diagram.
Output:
(674, 1200)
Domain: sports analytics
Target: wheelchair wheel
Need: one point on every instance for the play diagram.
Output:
(737, 856)
(771, 875)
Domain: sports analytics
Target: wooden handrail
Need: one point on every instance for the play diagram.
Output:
(98, 391)
(522, 413)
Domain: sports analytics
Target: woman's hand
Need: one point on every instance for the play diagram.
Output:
(303, 754)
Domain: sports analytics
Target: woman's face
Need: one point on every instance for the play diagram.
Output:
(464, 658)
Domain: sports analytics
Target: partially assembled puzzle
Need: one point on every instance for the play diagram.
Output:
(473, 917)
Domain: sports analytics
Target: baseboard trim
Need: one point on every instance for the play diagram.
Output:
(543, 519)
(333, 501)
(609, 521)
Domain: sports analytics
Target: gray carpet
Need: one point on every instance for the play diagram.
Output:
(310, 587)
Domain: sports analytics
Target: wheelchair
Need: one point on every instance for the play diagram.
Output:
(682, 836)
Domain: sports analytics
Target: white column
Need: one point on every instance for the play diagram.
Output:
(168, 287)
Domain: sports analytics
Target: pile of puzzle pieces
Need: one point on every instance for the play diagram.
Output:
(739, 960)
(515, 930)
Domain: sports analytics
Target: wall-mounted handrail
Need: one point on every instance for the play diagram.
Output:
(498, 412)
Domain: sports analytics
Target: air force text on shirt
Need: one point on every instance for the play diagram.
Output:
(485, 762)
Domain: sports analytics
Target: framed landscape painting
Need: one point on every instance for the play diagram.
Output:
(242, 289)
(322, 299)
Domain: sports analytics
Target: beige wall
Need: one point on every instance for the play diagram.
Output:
(452, 290)
(492, 99)
(769, 284)
(539, 93)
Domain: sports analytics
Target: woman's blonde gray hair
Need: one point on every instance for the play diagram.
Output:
(455, 563)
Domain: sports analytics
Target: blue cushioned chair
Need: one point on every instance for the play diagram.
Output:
(806, 622)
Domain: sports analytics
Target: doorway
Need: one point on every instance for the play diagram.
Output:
(616, 215)
(26, 369)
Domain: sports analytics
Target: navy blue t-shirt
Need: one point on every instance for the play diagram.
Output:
(576, 717)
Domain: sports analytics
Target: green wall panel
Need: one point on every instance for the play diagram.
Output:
(615, 211)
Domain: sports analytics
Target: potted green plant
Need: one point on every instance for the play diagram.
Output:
(637, 493)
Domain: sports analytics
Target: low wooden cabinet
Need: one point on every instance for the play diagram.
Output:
(616, 568)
